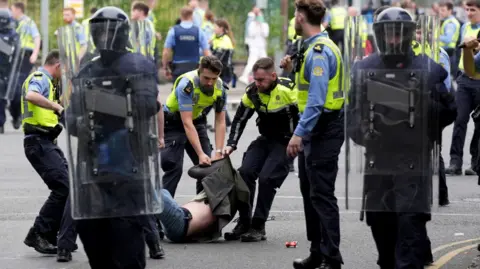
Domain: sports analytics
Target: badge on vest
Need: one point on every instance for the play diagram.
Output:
(318, 71)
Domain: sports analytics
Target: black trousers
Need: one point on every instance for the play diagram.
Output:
(318, 167)
(401, 239)
(114, 243)
(467, 98)
(49, 162)
(267, 161)
(176, 142)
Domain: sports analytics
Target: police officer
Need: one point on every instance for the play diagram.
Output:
(399, 233)
(467, 98)
(143, 29)
(449, 32)
(40, 110)
(76, 32)
(30, 47)
(8, 62)
(275, 101)
(109, 225)
(320, 129)
(337, 15)
(194, 94)
(180, 53)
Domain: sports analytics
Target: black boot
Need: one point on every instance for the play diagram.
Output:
(469, 172)
(39, 243)
(16, 124)
(453, 170)
(254, 235)
(64, 255)
(156, 251)
(311, 262)
(240, 229)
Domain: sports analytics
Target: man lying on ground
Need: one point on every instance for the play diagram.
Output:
(204, 217)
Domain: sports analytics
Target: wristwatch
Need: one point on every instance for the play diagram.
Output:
(218, 151)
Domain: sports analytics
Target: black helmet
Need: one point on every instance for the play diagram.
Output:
(5, 20)
(394, 30)
(109, 28)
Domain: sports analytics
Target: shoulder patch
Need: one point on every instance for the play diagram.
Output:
(286, 82)
(318, 48)
(317, 71)
(38, 76)
(189, 88)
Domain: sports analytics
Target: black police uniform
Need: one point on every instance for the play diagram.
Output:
(401, 235)
(10, 37)
(266, 158)
(116, 242)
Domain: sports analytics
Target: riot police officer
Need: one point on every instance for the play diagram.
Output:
(194, 95)
(397, 177)
(320, 129)
(9, 57)
(275, 101)
(112, 117)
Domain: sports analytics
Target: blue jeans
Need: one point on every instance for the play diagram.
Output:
(173, 218)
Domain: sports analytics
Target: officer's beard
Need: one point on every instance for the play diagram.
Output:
(207, 90)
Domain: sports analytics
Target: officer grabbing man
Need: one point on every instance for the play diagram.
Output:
(181, 52)
(194, 94)
(27, 56)
(9, 63)
(398, 104)
(275, 101)
(319, 133)
(113, 146)
(40, 112)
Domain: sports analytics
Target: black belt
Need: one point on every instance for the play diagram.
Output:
(173, 119)
(187, 218)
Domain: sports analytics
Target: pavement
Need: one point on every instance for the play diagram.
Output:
(454, 230)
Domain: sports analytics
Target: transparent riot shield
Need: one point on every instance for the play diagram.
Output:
(11, 59)
(391, 123)
(141, 34)
(111, 128)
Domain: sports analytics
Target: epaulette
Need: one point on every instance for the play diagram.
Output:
(286, 82)
(318, 48)
(189, 88)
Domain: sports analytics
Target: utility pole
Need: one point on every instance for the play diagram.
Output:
(44, 10)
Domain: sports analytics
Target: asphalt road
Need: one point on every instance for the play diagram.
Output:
(454, 230)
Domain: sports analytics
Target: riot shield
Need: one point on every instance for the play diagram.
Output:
(391, 125)
(111, 128)
(11, 59)
(140, 38)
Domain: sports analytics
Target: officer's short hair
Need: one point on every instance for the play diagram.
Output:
(265, 63)
(211, 63)
(141, 6)
(20, 6)
(93, 10)
(53, 58)
(186, 12)
(71, 9)
(446, 4)
(314, 10)
(473, 3)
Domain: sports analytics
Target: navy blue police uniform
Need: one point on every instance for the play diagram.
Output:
(401, 237)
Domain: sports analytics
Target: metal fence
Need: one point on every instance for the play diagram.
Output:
(167, 11)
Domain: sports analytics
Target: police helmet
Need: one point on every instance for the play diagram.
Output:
(394, 31)
(5, 20)
(109, 28)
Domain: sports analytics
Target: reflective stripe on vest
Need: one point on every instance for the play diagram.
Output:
(337, 15)
(417, 50)
(33, 114)
(456, 35)
(201, 101)
(335, 96)
(26, 39)
(469, 32)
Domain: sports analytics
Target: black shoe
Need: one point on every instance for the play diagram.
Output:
(64, 255)
(470, 172)
(156, 251)
(239, 230)
(453, 170)
(39, 243)
(16, 124)
(311, 262)
(443, 201)
(327, 265)
(75, 248)
(2, 130)
(254, 235)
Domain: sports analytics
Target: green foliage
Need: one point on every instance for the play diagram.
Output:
(167, 11)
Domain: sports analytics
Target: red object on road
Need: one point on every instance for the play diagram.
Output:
(291, 244)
